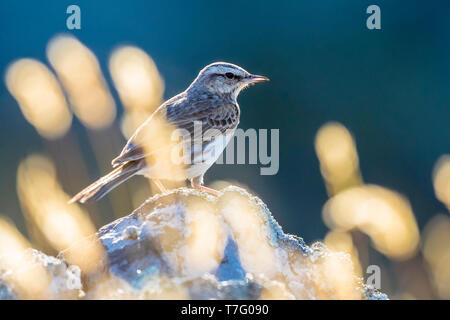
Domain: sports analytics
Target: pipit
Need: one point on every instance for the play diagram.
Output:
(209, 102)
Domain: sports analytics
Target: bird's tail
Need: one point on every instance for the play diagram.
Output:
(105, 184)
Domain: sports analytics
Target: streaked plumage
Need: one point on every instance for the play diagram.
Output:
(210, 101)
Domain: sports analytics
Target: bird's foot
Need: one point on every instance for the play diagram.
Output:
(208, 190)
(197, 183)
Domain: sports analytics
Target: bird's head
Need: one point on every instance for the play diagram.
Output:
(223, 78)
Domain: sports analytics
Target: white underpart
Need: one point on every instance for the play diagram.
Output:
(204, 160)
(200, 163)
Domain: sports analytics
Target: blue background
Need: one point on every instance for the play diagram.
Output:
(389, 87)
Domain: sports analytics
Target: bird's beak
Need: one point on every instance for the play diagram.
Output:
(255, 78)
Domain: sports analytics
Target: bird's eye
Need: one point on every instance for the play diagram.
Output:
(229, 75)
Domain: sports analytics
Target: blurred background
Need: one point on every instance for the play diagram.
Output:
(363, 118)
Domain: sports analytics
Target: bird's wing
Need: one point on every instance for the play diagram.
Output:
(185, 114)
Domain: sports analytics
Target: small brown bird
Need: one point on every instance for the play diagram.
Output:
(211, 102)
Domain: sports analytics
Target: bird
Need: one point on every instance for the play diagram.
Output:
(209, 103)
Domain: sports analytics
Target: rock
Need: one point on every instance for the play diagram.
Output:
(186, 244)
(40, 277)
(6, 292)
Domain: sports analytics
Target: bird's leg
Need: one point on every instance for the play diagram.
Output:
(209, 190)
(159, 185)
(197, 183)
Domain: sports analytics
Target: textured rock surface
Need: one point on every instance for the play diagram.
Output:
(40, 276)
(188, 245)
